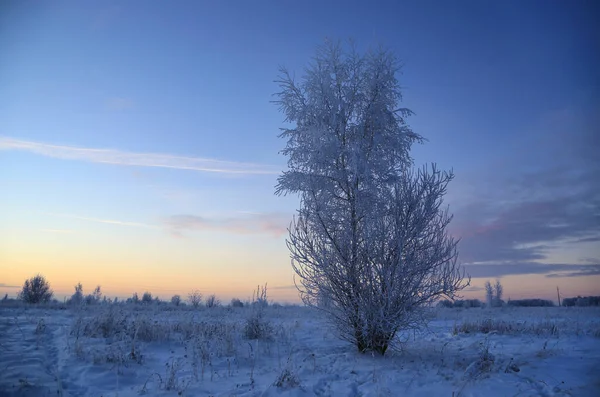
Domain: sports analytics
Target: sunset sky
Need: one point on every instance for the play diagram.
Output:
(139, 148)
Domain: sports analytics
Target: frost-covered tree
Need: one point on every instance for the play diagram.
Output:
(493, 294)
(498, 290)
(36, 290)
(489, 294)
(370, 234)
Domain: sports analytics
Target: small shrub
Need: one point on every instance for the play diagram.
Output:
(134, 299)
(287, 379)
(176, 300)
(93, 298)
(36, 290)
(77, 297)
(105, 324)
(235, 302)
(147, 298)
(256, 326)
(484, 362)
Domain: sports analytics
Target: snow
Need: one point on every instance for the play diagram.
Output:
(180, 351)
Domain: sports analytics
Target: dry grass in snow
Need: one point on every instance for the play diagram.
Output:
(122, 350)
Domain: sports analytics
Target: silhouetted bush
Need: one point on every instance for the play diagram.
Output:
(530, 303)
(77, 297)
(176, 300)
(235, 302)
(147, 298)
(36, 290)
(134, 298)
(94, 297)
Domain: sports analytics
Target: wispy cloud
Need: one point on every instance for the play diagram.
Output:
(474, 288)
(3, 285)
(283, 287)
(527, 231)
(106, 221)
(581, 271)
(543, 198)
(491, 270)
(274, 224)
(118, 157)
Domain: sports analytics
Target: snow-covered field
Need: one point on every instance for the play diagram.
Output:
(162, 351)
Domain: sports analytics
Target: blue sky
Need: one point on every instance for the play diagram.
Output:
(177, 97)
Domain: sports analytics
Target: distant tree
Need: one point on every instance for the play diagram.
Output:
(195, 298)
(97, 294)
(493, 294)
(212, 301)
(147, 298)
(5, 298)
(176, 300)
(498, 290)
(134, 298)
(36, 290)
(370, 234)
(489, 294)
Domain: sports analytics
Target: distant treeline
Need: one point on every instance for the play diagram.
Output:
(582, 301)
(530, 303)
(464, 303)
(577, 301)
